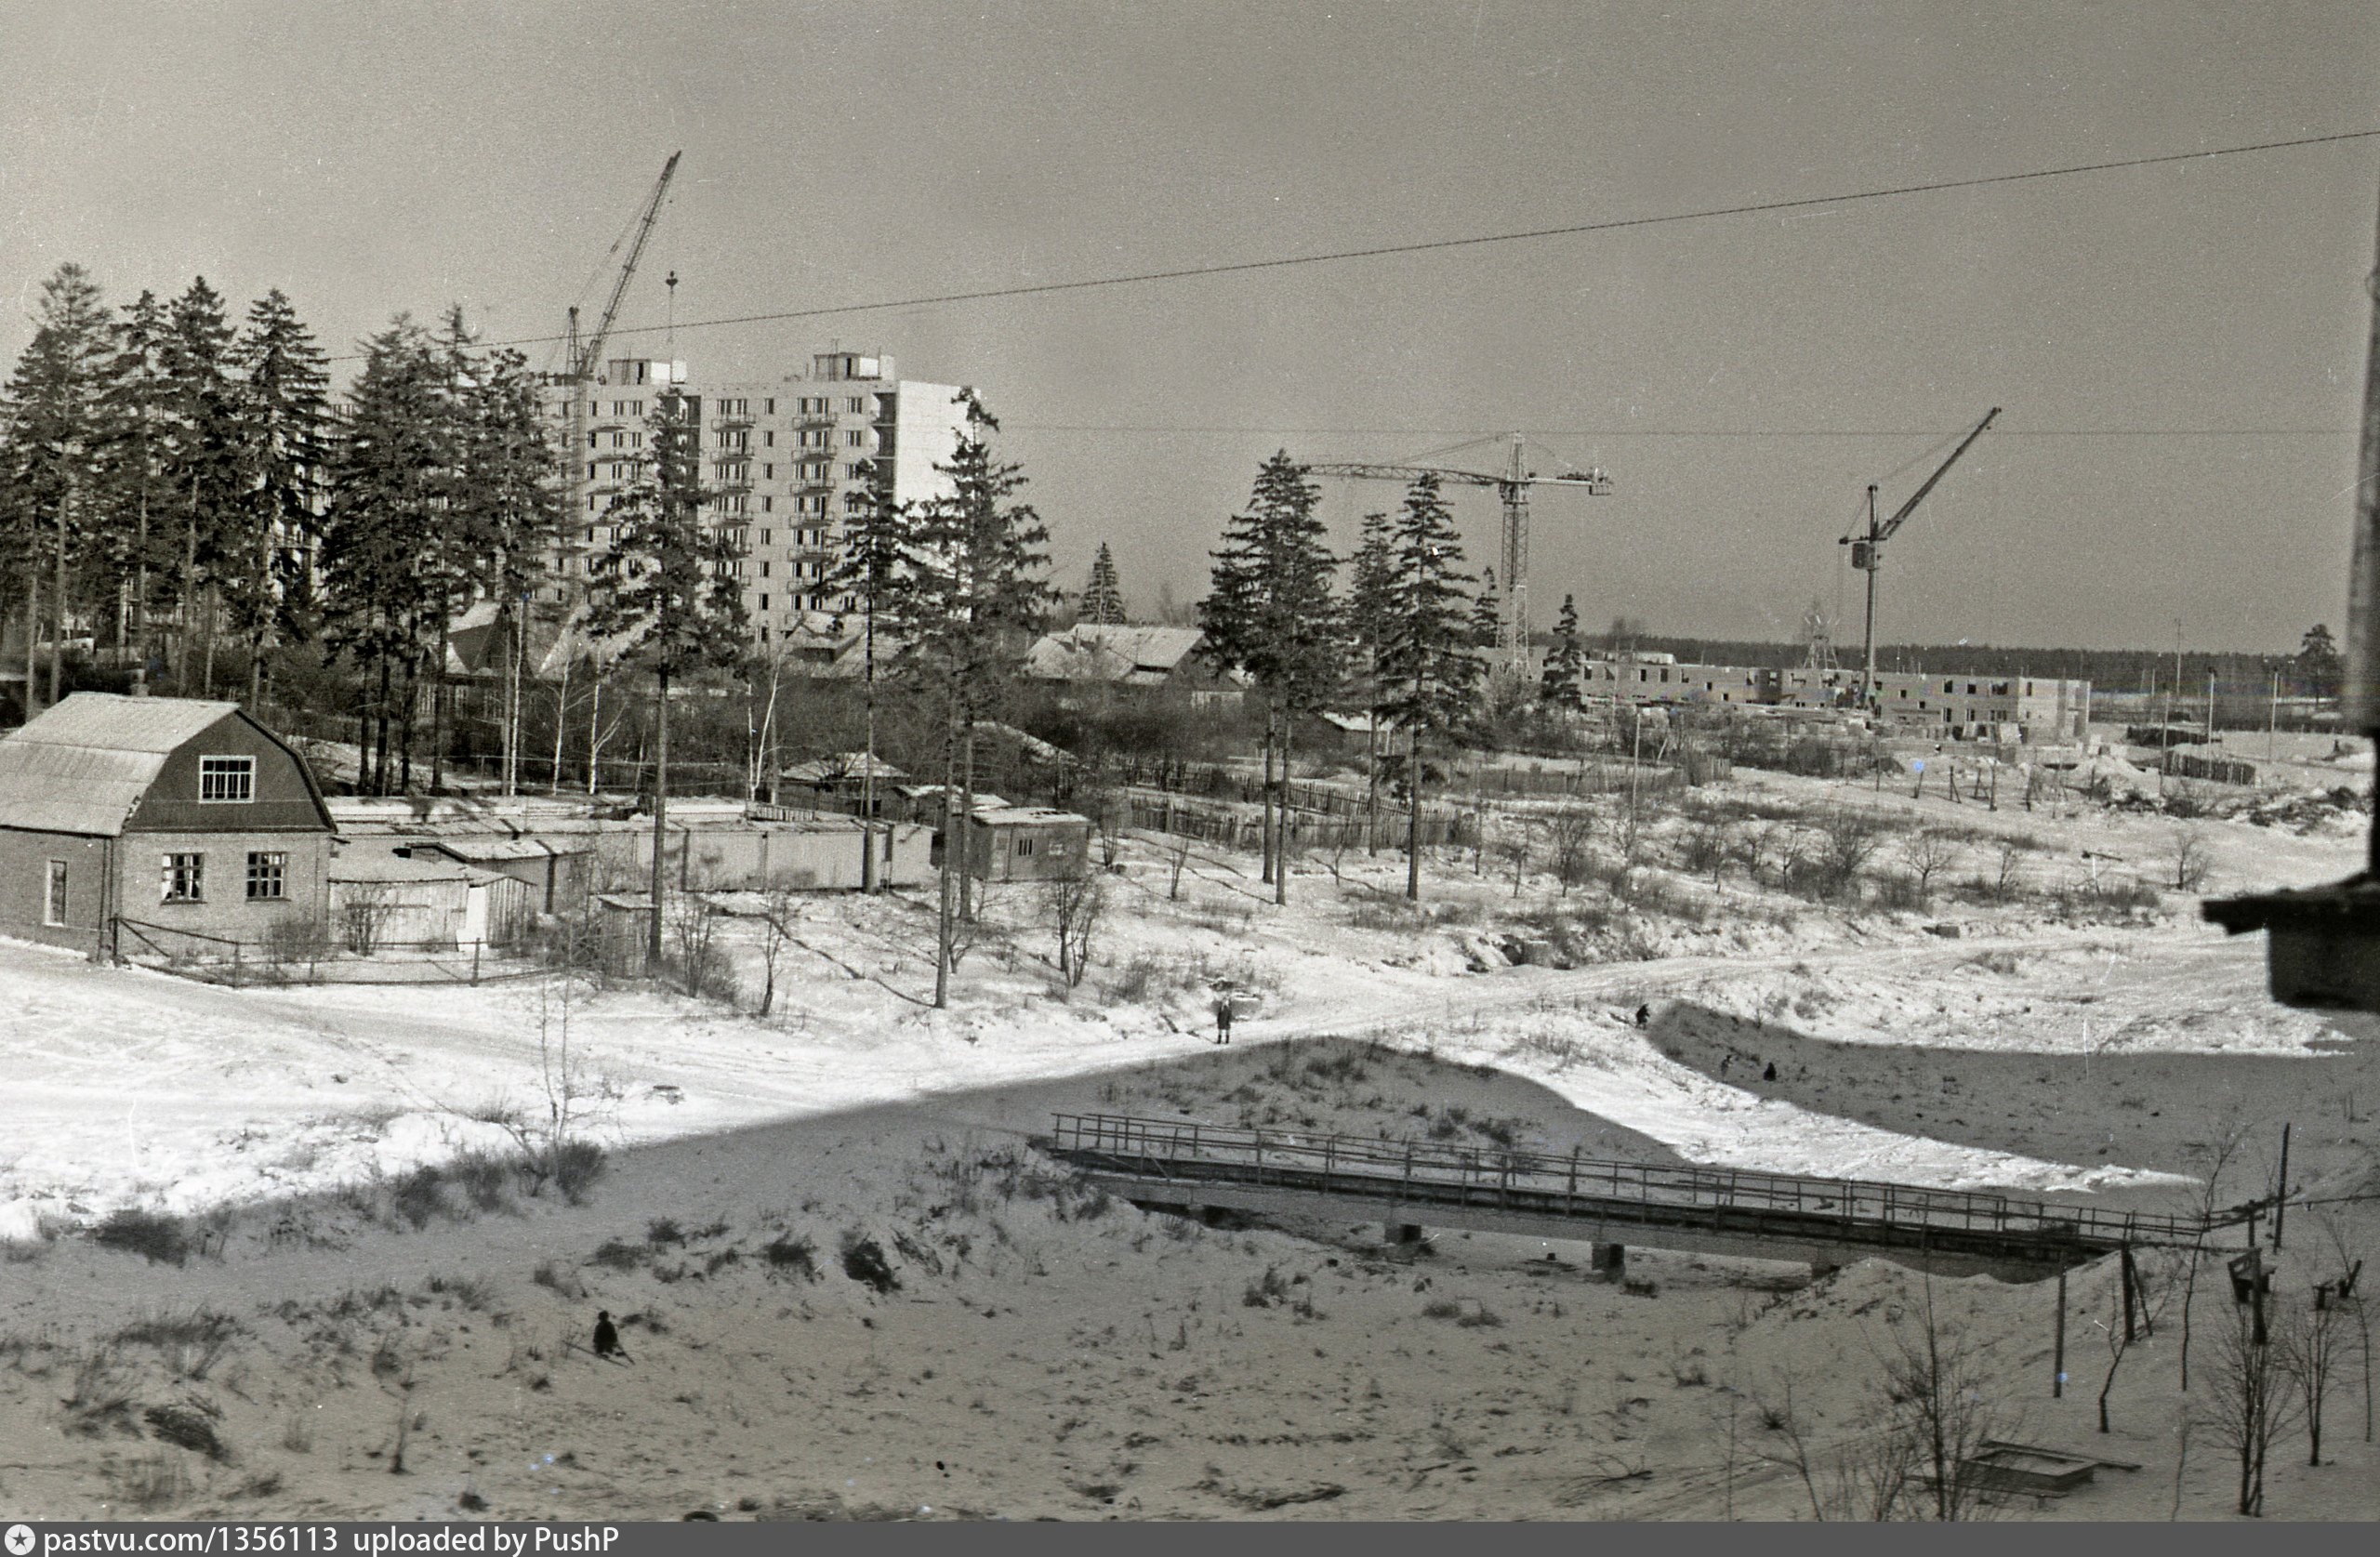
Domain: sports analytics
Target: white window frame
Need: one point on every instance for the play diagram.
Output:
(171, 876)
(53, 896)
(235, 763)
(277, 863)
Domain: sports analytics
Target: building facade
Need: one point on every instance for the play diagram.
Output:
(1964, 707)
(164, 822)
(788, 463)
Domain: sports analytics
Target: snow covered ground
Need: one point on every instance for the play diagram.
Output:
(131, 1086)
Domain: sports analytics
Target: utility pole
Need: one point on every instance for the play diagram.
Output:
(1868, 676)
(2272, 720)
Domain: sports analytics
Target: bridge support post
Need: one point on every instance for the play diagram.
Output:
(1610, 1261)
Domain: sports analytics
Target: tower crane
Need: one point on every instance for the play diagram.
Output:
(1512, 484)
(585, 356)
(1867, 550)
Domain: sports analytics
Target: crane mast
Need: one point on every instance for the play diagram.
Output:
(587, 356)
(1512, 484)
(1867, 550)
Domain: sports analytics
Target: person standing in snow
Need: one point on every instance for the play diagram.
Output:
(1222, 1020)
(607, 1339)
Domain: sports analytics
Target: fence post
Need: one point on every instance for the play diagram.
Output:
(475, 964)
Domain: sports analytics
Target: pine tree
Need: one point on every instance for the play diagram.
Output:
(134, 481)
(964, 604)
(1486, 614)
(1268, 613)
(1371, 600)
(668, 587)
(507, 511)
(391, 478)
(267, 557)
(1102, 597)
(203, 465)
(1563, 683)
(55, 427)
(1428, 658)
(868, 566)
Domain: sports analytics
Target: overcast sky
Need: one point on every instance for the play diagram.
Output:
(368, 159)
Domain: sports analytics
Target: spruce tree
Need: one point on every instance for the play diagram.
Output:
(506, 512)
(1102, 597)
(55, 425)
(667, 588)
(1486, 614)
(964, 604)
(204, 466)
(268, 557)
(1428, 657)
(391, 479)
(133, 477)
(1563, 683)
(1371, 600)
(1268, 613)
(868, 568)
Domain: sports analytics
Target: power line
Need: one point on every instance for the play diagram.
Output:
(1693, 432)
(1615, 224)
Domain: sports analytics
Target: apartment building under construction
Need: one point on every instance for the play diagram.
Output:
(787, 462)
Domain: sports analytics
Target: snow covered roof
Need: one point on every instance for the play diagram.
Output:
(84, 765)
(1112, 651)
(837, 766)
(378, 863)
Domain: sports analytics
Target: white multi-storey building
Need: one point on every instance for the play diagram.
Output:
(787, 462)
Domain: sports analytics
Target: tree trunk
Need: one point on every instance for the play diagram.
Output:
(1413, 814)
(867, 762)
(405, 710)
(33, 638)
(1371, 782)
(1281, 827)
(562, 722)
(438, 709)
(380, 753)
(58, 603)
(952, 845)
(660, 814)
(1264, 800)
(967, 816)
(214, 608)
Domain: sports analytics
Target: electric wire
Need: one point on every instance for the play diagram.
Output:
(1615, 224)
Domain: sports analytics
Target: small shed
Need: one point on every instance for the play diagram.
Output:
(2000, 1466)
(390, 899)
(1027, 843)
(840, 782)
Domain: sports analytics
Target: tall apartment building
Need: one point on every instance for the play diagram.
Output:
(788, 463)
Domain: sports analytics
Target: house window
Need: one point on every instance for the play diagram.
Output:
(268, 874)
(225, 780)
(855, 439)
(184, 878)
(855, 403)
(53, 907)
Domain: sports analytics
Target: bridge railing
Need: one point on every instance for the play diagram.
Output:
(1367, 1165)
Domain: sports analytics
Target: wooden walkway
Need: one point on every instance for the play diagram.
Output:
(1824, 1222)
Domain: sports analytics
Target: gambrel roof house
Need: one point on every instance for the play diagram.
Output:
(173, 815)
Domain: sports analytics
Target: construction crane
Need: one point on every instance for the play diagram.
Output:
(1867, 550)
(1512, 485)
(584, 357)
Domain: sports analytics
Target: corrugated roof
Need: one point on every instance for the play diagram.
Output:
(83, 766)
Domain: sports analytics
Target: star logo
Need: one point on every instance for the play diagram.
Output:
(20, 1539)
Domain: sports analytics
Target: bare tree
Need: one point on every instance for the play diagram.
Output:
(2311, 1341)
(2249, 1403)
(1073, 904)
(2133, 1315)
(2346, 1290)
(2192, 863)
(1174, 868)
(364, 909)
(2203, 1203)
(2004, 862)
(1850, 839)
(1943, 1397)
(778, 915)
(1568, 830)
(1927, 851)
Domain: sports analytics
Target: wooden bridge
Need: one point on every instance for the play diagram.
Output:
(1407, 1184)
